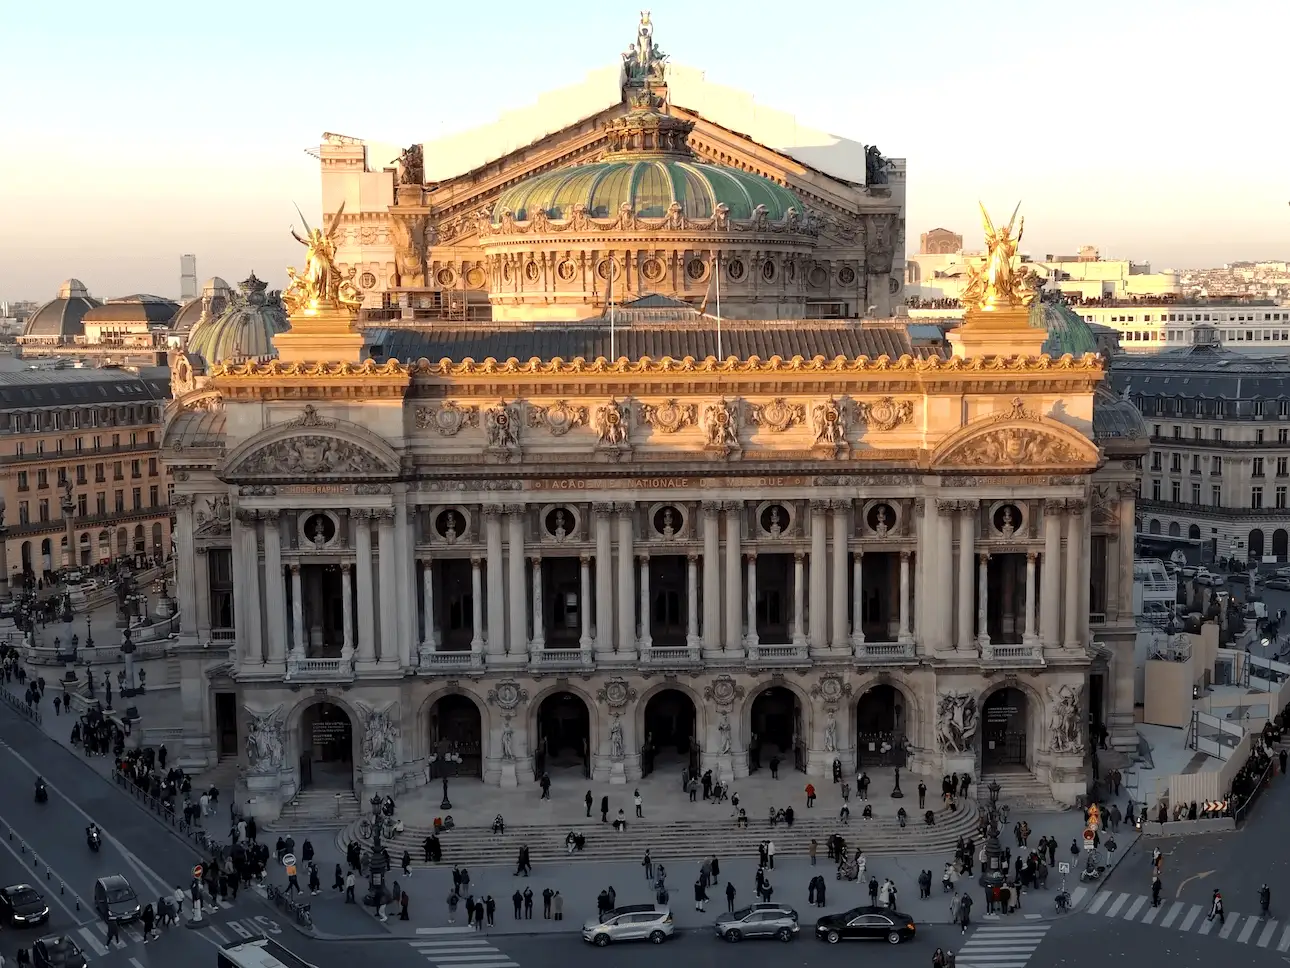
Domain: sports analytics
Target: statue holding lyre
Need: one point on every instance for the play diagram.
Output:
(998, 284)
(321, 284)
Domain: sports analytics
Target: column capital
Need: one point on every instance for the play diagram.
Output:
(859, 552)
(1054, 506)
(819, 507)
(732, 507)
(476, 561)
(906, 554)
(919, 505)
(515, 509)
(602, 507)
(841, 506)
(947, 508)
(983, 556)
(346, 568)
(711, 507)
(295, 570)
(968, 507)
(1076, 505)
(384, 516)
(584, 559)
(245, 516)
(624, 508)
(181, 501)
(269, 514)
(1127, 489)
(535, 561)
(1032, 557)
(751, 556)
(692, 558)
(798, 557)
(200, 549)
(643, 559)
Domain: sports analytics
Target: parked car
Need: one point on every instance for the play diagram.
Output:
(115, 900)
(759, 921)
(1278, 584)
(57, 951)
(1187, 571)
(1204, 577)
(21, 905)
(631, 922)
(865, 924)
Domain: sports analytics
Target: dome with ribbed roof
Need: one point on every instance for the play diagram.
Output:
(63, 317)
(244, 330)
(215, 296)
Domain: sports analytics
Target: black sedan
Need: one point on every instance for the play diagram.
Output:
(21, 905)
(57, 952)
(865, 924)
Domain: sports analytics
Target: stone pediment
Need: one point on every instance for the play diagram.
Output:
(1016, 439)
(312, 447)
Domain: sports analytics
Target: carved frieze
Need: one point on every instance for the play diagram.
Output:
(616, 693)
(559, 417)
(311, 454)
(502, 425)
(724, 692)
(886, 413)
(507, 695)
(448, 418)
(778, 415)
(214, 519)
(669, 417)
(831, 689)
(1015, 447)
(612, 423)
(721, 426)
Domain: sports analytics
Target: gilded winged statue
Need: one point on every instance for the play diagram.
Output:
(998, 284)
(321, 285)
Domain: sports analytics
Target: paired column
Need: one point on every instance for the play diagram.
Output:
(857, 602)
(967, 575)
(711, 577)
(202, 579)
(246, 603)
(477, 607)
(275, 605)
(347, 609)
(734, 624)
(494, 584)
(1074, 571)
(1050, 609)
(539, 616)
(750, 609)
(818, 610)
(604, 581)
(799, 605)
(626, 583)
(906, 635)
(983, 599)
(517, 594)
(406, 572)
(187, 590)
(692, 639)
(429, 634)
(947, 513)
(1123, 563)
(362, 524)
(646, 640)
(839, 603)
(584, 602)
(298, 650)
(1029, 636)
(387, 559)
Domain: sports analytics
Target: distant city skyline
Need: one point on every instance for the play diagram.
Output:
(1143, 132)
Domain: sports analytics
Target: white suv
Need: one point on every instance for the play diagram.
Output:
(631, 922)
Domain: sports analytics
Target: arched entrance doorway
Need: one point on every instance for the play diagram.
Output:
(670, 726)
(326, 748)
(1004, 743)
(456, 726)
(1256, 544)
(1193, 532)
(1175, 529)
(563, 735)
(1154, 526)
(880, 727)
(1279, 544)
(775, 730)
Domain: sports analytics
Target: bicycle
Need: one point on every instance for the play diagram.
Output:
(1062, 902)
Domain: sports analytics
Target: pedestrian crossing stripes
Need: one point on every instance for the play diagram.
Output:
(94, 935)
(1001, 945)
(459, 948)
(1189, 918)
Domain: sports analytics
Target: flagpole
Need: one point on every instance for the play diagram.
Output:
(720, 357)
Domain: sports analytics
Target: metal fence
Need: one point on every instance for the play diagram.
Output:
(164, 811)
(19, 705)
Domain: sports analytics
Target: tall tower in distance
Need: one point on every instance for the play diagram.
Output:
(187, 277)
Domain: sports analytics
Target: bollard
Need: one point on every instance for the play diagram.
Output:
(48, 874)
(62, 889)
(22, 846)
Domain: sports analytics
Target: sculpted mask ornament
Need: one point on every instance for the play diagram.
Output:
(448, 418)
(669, 417)
(956, 721)
(721, 426)
(616, 693)
(724, 692)
(502, 424)
(507, 696)
(311, 454)
(831, 690)
(778, 415)
(264, 742)
(559, 417)
(611, 423)
(1066, 719)
(380, 739)
(886, 414)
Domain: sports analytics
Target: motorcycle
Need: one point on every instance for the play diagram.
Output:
(92, 839)
(42, 794)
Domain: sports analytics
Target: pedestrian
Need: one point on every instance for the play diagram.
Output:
(1155, 890)
(292, 883)
(517, 900)
(528, 904)
(557, 906)
(648, 864)
(922, 797)
(407, 864)
(636, 799)
(810, 795)
(730, 897)
(453, 901)
(547, 894)
(349, 888)
(812, 849)
(337, 885)
(403, 906)
(148, 917)
(113, 933)
(604, 809)
(589, 800)
(490, 909)
(480, 914)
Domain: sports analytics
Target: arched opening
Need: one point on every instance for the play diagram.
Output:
(880, 727)
(84, 546)
(1256, 544)
(139, 547)
(670, 726)
(26, 556)
(776, 729)
(1154, 527)
(456, 726)
(1004, 743)
(104, 550)
(47, 555)
(563, 735)
(1193, 532)
(122, 542)
(1175, 530)
(1279, 544)
(156, 540)
(326, 748)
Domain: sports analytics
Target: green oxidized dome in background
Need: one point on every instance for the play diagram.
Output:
(245, 330)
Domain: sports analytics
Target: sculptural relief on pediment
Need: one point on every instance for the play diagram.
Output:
(1015, 447)
(310, 454)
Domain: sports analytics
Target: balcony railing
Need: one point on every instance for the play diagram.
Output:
(329, 669)
(223, 635)
(455, 661)
(560, 659)
(884, 651)
(671, 656)
(787, 655)
(1013, 654)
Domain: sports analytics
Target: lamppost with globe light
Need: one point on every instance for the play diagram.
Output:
(992, 873)
(443, 758)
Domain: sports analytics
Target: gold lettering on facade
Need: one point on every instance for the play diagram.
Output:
(315, 489)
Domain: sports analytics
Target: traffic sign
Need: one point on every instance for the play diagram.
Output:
(288, 860)
(1088, 845)
(197, 872)
(1063, 868)
(1089, 835)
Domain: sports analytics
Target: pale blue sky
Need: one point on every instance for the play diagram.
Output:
(136, 131)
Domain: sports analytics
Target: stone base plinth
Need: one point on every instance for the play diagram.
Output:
(617, 773)
(508, 778)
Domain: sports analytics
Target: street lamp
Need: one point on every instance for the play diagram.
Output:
(443, 758)
(992, 873)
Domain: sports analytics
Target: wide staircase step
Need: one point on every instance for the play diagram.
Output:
(319, 810)
(683, 839)
(222, 776)
(1018, 791)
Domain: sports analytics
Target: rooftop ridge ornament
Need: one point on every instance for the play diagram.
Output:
(998, 285)
(643, 61)
(321, 286)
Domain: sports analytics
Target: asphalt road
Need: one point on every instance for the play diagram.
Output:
(1073, 943)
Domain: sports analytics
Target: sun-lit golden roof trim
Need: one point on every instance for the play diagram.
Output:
(1090, 362)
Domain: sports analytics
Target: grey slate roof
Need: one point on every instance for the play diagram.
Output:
(32, 390)
(1203, 371)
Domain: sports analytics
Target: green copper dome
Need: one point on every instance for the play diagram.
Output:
(245, 330)
(649, 166)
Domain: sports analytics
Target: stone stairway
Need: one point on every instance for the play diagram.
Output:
(1019, 790)
(475, 846)
(222, 776)
(318, 810)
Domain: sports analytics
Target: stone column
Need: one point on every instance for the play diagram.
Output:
(799, 606)
(202, 580)
(646, 639)
(494, 586)
(243, 608)
(924, 549)
(387, 560)
(275, 590)
(361, 520)
(819, 588)
(406, 570)
(857, 602)
(1028, 638)
(967, 576)
(1050, 581)
(429, 634)
(711, 578)
(839, 596)
(1074, 571)
(517, 594)
(477, 609)
(983, 599)
(539, 616)
(906, 635)
(734, 600)
(750, 603)
(584, 603)
(1123, 563)
(186, 590)
(298, 647)
(692, 639)
(626, 644)
(347, 609)
(1084, 521)
(604, 581)
(942, 631)
(251, 608)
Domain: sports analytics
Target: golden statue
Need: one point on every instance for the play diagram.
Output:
(998, 284)
(320, 285)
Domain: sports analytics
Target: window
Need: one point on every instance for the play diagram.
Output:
(1283, 436)
(1258, 410)
(22, 481)
(152, 467)
(135, 471)
(42, 479)
(81, 507)
(1283, 408)
(1175, 492)
(99, 477)
(1197, 433)
(219, 562)
(1155, 461)
(1281, 466)
(62, 476)
(24, 513)
(1258, 436)
(1216, 465)
(40, 447)
(1281, 497)
(1218, 435)
(100, 503)
(98, 442)
(1257, 470)
(1177, 432)
(1155, 428)
(80, 473)
(1256, 498)
(1195, 494)
(119, 503)
(1195, 463)
(153, 495)
(116, 441)
(136, 496)
(152, 438)
(1155, 490)
(1216, 495)
(43, 509)
(118, 471)
(1175, 463)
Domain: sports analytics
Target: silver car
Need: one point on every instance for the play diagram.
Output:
(631, 922)
(759, 921)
